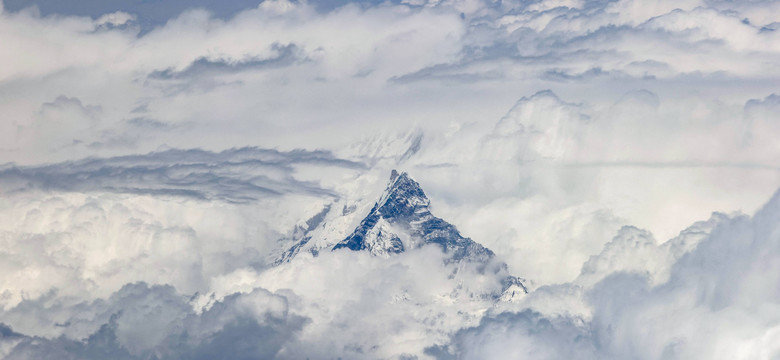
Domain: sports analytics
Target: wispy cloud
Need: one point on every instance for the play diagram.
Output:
(236, 175)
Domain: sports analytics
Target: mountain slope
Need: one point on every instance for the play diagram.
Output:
(402, 220)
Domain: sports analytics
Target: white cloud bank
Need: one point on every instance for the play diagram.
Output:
(573, 138)
(719, 302)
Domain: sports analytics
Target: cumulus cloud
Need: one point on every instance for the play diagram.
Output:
(573, 138)
(384, 307)
(522, 335)
(568, 175)
(715, 302)
(173, 217)
(139, 322)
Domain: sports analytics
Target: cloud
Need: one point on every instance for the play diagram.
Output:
(203, 67)
(364, 306)
(139, 321)
(118, 18)
(522, 335)
(174, 217)
(62, 116)
(636, 250)
(183, 145)
(297, 78)
(716, 293)
(562, 176)
(151, 14)
(236, 175)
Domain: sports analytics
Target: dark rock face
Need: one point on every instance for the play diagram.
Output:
(404, 208)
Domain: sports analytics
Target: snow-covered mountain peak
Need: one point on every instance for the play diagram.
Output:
(402, 198)
(402, 220)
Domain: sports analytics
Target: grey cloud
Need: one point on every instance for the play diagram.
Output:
(66, 112)
(771, 27)
(523, 335)
(66, 121)
(151, 13)
(147, 123)
(414, 146)
(286, 55)
(143, 322)
(136, 130)
(564, 75)
(637, 98)
(594, 40)
(205, 75)
(140, 109)
(446, 74)
(771, 103)
(236, 175)
(760, 116)
(63, 102)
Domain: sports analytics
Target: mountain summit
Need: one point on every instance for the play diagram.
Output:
(402, 220)
(399, 221)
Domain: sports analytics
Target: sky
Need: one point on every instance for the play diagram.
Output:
(618, 155)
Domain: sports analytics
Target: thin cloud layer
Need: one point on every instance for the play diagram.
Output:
(235, 175)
